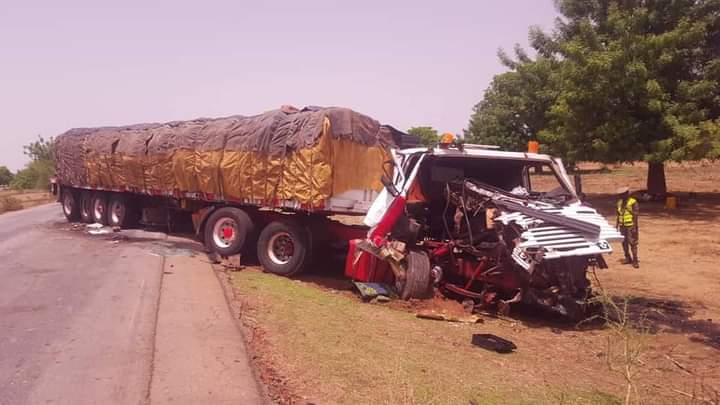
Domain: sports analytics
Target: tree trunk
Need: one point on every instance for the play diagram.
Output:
(656, 179)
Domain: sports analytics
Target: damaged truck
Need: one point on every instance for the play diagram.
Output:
(494, 227)
(470, 221)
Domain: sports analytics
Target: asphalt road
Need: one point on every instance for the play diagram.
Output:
(88, 319)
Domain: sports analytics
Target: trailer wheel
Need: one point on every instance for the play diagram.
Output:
(118, 210)
(226, 230)
(86, 206)
(283, 248)
(70, 205)
(99, 208)
(417, 276)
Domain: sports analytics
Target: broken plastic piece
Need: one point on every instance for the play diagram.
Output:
(494, 343)
(369, 291)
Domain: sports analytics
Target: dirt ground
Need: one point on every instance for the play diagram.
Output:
(316, 342)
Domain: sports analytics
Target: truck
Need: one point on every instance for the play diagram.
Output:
(473, 222)
(493, 227)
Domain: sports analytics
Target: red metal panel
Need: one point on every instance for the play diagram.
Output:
(362, 266)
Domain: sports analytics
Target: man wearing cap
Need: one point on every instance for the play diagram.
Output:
(627, 224)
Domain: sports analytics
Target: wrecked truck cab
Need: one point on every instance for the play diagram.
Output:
(495, 227)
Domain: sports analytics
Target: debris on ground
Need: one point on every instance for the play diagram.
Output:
(380, 299)
(98, 229)
(213, 257)
(493, 343)
(370, 291)
(448, 318)
(232, 263)
(170, 250)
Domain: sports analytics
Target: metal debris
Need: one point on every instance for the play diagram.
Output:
(444, 317)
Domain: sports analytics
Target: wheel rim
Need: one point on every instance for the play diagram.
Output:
(85, 208)
(98, 209)
(116, 212)
(68, 204)
(225, 232)
(281, 248)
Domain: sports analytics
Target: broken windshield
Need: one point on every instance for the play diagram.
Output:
(543, 183)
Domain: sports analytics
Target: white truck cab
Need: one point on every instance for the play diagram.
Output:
(493, 226)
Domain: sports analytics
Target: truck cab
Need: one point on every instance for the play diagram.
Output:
(491, 226)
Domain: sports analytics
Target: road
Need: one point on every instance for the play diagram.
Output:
(92, 319)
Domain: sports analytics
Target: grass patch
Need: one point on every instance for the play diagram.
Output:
(336, 349)
(13, 200)
(10, 203)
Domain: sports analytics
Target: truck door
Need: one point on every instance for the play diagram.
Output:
(390, 204)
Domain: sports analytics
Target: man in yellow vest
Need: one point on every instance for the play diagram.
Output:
(627, 224)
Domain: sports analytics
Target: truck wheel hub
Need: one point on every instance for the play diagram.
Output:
(225, 232)
(281, 248)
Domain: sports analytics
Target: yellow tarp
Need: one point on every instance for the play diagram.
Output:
(308, 175)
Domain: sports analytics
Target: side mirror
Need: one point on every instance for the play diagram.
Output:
(389, 185)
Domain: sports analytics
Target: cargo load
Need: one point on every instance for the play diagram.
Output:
(285, 157)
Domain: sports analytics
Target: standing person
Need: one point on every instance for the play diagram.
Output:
(627, 224)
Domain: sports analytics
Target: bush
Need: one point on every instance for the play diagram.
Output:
(10, 204)
(6, 176)
(35, 175)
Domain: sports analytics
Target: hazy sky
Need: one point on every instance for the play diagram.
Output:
(69, 63)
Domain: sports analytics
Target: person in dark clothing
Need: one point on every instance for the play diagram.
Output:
(627, 223)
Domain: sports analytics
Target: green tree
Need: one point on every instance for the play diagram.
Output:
(41, 149)
(6, 176)
(428, 135)
(38, 171)
(639, 80)
(514, 108)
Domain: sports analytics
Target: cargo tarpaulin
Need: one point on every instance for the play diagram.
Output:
(303, 155)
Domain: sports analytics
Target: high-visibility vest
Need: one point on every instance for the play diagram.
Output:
(625, 214)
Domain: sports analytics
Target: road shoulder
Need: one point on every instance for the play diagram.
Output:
(200, 354)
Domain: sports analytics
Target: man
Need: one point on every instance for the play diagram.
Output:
(627, 224)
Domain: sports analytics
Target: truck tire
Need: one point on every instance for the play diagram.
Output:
(70, 205)
(283, 248)
(226, 231)
(417, 276)
(99, 208)
(86, 206)
(119, 210)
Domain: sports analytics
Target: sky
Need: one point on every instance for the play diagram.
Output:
(71, 63)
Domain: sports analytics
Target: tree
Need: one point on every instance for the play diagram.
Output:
(6, 176)
(38, 171)
(428, 135)
(514, 108)
(40, 150)
(639, 80)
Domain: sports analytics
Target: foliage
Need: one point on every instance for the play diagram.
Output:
(615, 81)
(40, 169)
(35, 175)
(640, 80)
(428, 135)
(41, 149)
(513, 109)
(6, 176)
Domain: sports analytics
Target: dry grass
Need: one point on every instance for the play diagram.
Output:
(329, 347)
(12, 200)
(335, 349)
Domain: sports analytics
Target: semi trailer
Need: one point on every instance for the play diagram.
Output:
(267, 182)
(474, 222)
